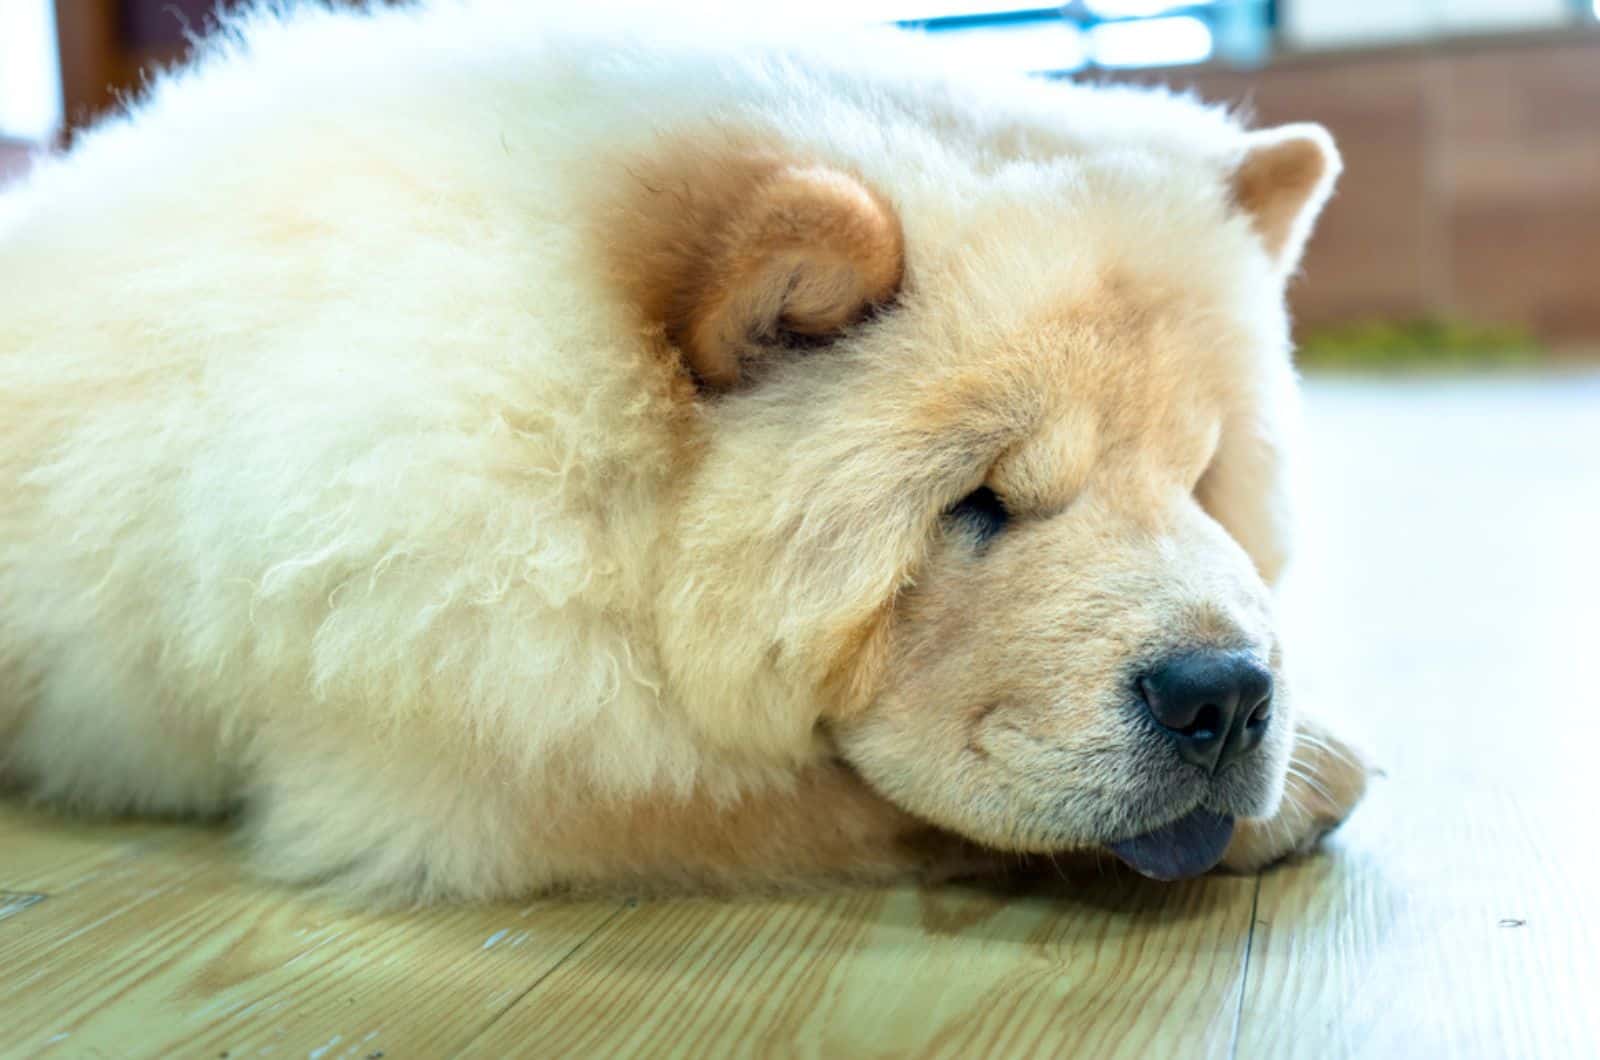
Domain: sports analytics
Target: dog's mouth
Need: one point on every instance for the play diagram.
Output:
(1181, 849)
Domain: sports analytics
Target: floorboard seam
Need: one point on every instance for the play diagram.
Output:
(1244, 974)
(15, 903)
(548, 972)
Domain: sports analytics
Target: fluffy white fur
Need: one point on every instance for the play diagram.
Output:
(332, 467)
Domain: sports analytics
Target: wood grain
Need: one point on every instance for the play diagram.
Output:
(944, 973)
(1450, 616)
(15, 903)
(167, 950)
(48, 852)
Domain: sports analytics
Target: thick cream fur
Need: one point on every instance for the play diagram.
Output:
(342, 484)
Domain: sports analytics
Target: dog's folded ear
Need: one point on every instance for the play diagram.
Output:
(1282, 181)
(739, 258)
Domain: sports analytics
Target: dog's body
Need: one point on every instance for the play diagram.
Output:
(495, 459)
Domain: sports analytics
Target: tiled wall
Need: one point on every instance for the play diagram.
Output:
(1472, 180)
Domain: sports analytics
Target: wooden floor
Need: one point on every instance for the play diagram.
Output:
(1447, 603)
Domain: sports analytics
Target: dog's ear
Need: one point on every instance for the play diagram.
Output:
(1282, 181)
(737, 258)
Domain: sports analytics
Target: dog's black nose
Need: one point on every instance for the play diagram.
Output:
(1216, 705)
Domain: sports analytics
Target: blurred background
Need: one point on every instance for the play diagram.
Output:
(1467, 227)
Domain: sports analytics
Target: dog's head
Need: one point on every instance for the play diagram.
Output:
(985, 488)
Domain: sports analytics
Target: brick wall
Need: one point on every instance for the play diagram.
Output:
(1472, 180)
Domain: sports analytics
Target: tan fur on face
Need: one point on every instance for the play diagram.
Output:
(1110, 563)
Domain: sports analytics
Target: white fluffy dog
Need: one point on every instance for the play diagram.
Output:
(491, 458)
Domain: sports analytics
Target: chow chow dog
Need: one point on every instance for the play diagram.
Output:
(484, 458)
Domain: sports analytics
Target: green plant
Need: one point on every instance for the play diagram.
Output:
(1424, 343)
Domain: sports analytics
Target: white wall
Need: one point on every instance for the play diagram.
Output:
(1334, 23)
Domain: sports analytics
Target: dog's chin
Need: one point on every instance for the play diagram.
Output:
(1186, 844)
(1183, 837)
(1185, 847)
(1175, 825)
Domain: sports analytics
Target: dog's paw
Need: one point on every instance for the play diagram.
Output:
(1327, 778)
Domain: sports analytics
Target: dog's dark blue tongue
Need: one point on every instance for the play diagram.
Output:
(1187, 847)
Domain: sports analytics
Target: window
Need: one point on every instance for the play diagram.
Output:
(1087, 34)
(30, 91)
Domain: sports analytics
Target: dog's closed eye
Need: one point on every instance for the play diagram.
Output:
(982, 513)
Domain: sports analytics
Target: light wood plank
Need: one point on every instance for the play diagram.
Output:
(48, 852)
(1453, 619)
(14, 903)
(1121, 968)
(175, 953)
(1469, 941)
